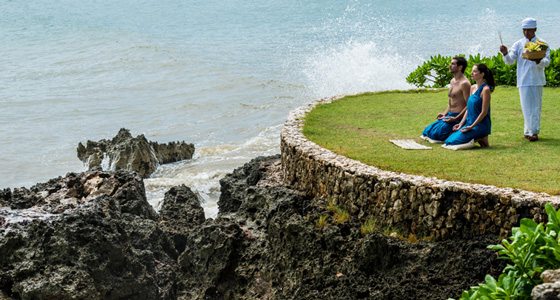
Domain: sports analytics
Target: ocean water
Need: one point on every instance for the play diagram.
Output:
(220, 74)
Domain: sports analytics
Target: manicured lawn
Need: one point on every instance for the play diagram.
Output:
(361, 126)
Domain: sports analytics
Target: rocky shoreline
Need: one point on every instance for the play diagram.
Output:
(124, 152)
(93, 235)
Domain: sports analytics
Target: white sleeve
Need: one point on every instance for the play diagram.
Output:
(511, 57)
(546, 60)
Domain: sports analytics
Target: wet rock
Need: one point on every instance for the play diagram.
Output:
(180, 214)
(240, 193)
(125, 152)
(92, 235)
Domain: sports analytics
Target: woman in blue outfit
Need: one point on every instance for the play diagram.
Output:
(476, 124)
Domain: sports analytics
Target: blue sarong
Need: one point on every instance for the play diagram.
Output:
(440, 130)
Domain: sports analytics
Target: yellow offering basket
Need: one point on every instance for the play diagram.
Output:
(532, 55)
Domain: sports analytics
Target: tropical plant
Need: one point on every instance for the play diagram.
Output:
(434, 73)
(531, 249)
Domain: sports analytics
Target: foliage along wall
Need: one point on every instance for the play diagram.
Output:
(434, 72)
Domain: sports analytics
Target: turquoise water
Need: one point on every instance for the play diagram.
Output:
(220, 74)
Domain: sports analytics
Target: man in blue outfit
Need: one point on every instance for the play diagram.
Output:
(459, 89)
(530, 78)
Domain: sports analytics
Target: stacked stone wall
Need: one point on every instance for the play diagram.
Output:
(426, 207)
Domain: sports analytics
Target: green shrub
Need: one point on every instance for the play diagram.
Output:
(432, 73)
(531, 249)
(435, 71)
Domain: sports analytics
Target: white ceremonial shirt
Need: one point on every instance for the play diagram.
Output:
(529, 73)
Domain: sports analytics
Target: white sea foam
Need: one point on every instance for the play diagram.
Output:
(23, 215)
(105, 162)
(209, 164)
(356, 67)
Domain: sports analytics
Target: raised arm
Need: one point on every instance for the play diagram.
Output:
(510, 56)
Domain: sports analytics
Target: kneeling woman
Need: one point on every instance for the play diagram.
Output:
(475, 125)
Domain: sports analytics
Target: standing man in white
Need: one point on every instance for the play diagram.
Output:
(530, 78)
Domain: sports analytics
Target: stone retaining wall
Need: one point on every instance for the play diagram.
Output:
(426, 207)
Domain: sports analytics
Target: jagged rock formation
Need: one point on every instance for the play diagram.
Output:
(179, 214)
(271, 248)
(85, 236)
(93, 235)
(124, 152)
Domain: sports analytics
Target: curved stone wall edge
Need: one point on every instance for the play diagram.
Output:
(412, 204)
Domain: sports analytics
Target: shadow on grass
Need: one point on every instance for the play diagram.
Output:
(496, 147)
(549, 141)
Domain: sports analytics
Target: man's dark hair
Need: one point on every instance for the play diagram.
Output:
(461, 61)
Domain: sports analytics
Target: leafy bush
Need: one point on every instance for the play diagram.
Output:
(531, 249)
(435, 71)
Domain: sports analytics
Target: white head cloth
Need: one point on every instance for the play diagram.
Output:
(529, 23)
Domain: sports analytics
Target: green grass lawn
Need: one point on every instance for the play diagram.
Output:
(360, 127)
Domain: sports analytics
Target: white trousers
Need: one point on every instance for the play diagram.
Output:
(531, 104)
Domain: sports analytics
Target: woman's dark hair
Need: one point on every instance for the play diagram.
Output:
(461, 61)
(488, 76)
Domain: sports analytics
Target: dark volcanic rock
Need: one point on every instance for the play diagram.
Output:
(85, 236)
(272, 249)
(180, 214)
(125, 152)
(209, 261)
(94, 235)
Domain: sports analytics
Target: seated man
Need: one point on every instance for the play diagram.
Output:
(459, 89)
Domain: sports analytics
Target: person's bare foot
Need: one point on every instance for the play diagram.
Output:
(483, 142)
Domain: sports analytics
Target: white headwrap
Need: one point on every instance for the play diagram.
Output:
(529, 23)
